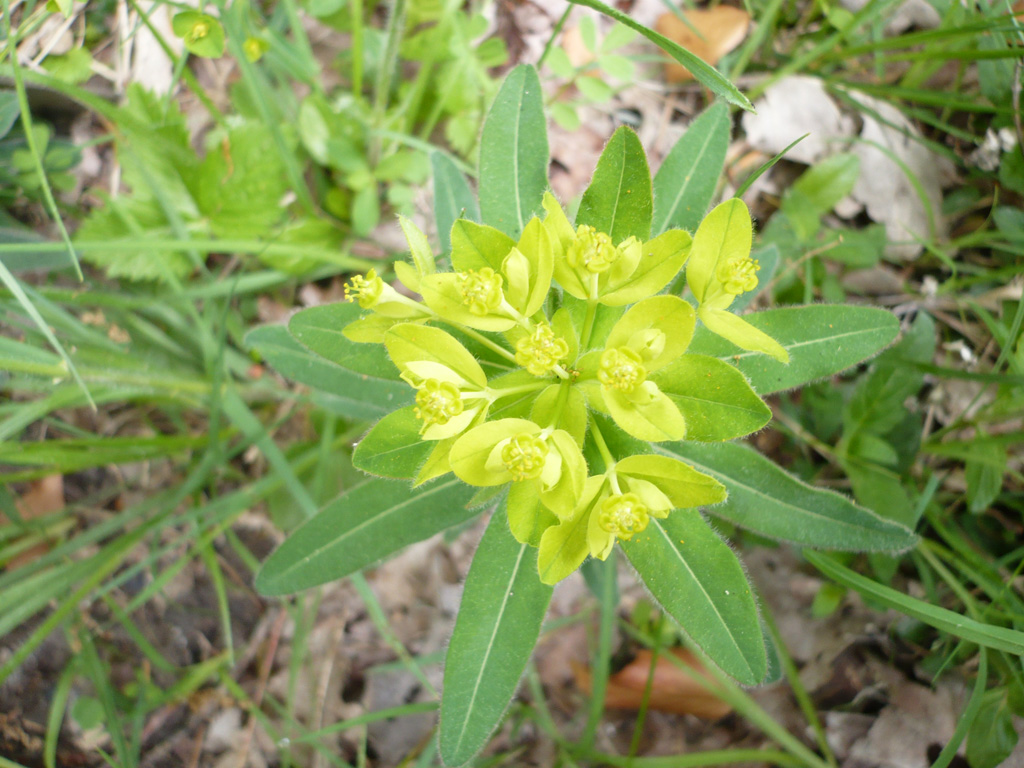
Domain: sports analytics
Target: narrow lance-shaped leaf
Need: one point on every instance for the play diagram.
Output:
(685, 182)
(618, 200)
(514, 153)
(503, 606)
(393, 447)
(359, 396)
(769, 501)
(453, 199)
(360, 527)
(700, 583)
(821, 340)
(705, 74)
(320, 330)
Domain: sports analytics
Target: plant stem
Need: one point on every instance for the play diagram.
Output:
(588, 324)
(602, 446)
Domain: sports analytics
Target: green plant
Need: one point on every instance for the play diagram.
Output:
(564, 390)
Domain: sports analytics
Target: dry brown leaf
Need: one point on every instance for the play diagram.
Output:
(715, 32)
(44, 496)
(673, 690)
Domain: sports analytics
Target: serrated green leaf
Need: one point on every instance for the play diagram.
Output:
(239, 184)
(822, 339)
(700, 583)
(361, 398)
(705, 74)
(360, 527)
(453, 199)
(499, 621)
(618, 200)
(769, 501)
(514, 153)
(393, 447)
(715, 399)
(686, 180)
(319, 329)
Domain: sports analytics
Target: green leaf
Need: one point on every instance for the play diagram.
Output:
(514, 153)
(563, 547)
(991, 636)
(360, 527)
(661, 260)
(475, 246)
(419, 248)
(822, 339)
(411, 343)
(735, 329)
(684, 486)
(453, 199)
(984, 473)
(700, 583)
(499, 621)
(992, 736)
(319, 330)
(618, 200)
(715, 399)
(202, 34)
(360, 397)
(769, 501)
(724, 234)
(240, 183)
(10, 111)
(393, 447)
(686, 180)
(828, 182)
(705, 74)
(669, 317)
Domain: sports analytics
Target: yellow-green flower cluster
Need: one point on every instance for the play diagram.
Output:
(577, 341)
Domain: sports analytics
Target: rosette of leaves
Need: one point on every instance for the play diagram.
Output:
(547, 378)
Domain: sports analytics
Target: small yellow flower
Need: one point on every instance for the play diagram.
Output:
(481, 290)
(366, 290)
(738, 275)
(623, 515)
(593, 250)
(437, 402)
(541, 351)
(525, 456)
(621, 368)
(199, 30)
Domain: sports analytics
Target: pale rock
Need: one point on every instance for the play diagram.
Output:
(790, 108)
(911, 13)
(884, 187)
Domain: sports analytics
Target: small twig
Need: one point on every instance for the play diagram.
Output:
(261, 688)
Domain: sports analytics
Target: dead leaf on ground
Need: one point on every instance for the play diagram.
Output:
(674, 689)
(710, 34)
(44, 496)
